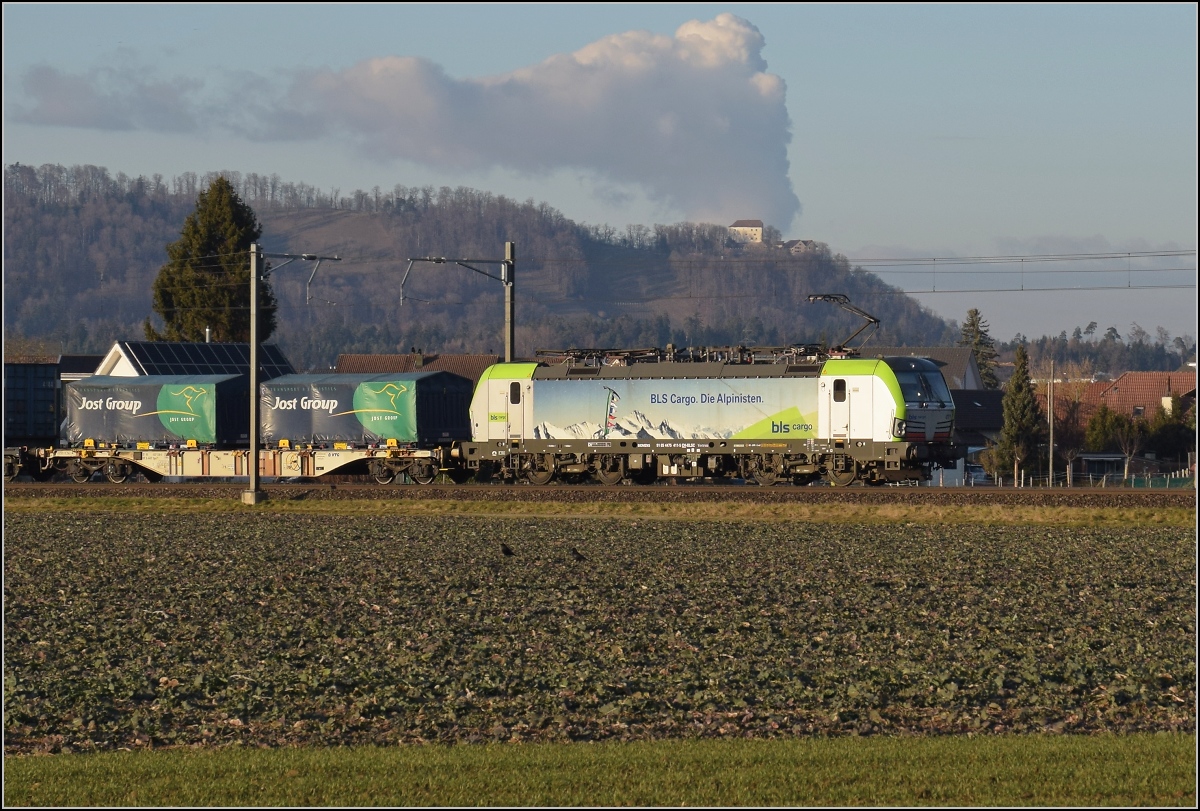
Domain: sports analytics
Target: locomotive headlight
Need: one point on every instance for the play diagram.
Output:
(899, 427)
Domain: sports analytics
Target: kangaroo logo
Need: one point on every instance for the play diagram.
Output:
(390, 391)
(190, 393)
(386, 408)
(187, 411)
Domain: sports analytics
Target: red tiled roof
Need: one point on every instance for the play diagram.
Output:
(1140, 390)
(468, 366)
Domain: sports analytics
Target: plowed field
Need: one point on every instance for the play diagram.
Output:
(165, 630)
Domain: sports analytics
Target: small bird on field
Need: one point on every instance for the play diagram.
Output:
(579, 556)
(507, 550)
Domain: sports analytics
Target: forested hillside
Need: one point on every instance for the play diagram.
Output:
(82, 247)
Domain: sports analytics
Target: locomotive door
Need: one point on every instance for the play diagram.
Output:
(838, 404)
(516, 411)
(498, 410)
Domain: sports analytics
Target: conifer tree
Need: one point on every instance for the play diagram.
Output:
(975, 335)
(1102, 429)
(1022, 429)
(206, 280)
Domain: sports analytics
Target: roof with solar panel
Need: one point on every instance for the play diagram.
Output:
(137, 358)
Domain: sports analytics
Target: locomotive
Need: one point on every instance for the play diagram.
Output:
(793, 414)
(782, 414)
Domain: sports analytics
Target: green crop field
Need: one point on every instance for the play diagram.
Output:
(214, 632)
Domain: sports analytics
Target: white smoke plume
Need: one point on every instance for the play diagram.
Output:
(695, 120)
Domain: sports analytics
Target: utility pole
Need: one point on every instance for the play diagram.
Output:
(1050, 414)
(508, 269)
(510, 321)
(255, 494)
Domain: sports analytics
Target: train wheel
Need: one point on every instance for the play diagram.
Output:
(610, 478)
(539, 470)
(423, 475)
(610, 470)
(842, 478)
(80, 474)
(539, 476)
(766, 478)
(380, 472)
(117, 474)
(765, 470)
(12, 467)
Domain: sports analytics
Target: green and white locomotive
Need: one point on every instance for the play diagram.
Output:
(770, 415)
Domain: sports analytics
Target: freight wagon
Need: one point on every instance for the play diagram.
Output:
(32, 410)
(386, 425)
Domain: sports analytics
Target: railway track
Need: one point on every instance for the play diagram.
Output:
(351, 490)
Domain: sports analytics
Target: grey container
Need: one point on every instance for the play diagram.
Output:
(413, 408)
(213, 410)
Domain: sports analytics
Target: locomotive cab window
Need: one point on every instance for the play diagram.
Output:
(839, 391)
(514, 393)
(923, 388)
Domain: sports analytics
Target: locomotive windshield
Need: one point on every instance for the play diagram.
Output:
(923, 388)
(920, 382)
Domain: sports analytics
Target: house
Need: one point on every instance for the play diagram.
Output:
(469, 366)
(978, 416)
(137, 358)
(746, 231)
(799, 247)
(77, 367)
(1139, 395)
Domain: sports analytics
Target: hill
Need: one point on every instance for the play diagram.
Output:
(83, 247)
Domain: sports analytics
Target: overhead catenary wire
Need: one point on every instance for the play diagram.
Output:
(940, 267)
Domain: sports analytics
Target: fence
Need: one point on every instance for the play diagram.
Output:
(1163, 481)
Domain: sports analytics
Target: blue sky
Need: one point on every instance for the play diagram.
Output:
(886, 131)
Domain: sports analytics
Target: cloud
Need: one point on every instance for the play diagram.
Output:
(693, 120)
(109, 99)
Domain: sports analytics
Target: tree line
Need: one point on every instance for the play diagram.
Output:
(83, 249)
(1169, 433)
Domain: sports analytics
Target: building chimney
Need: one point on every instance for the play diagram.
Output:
(207, 335)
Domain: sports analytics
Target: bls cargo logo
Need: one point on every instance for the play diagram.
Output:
(789, 427)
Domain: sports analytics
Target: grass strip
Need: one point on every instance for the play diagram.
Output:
(989, 515)
(1112, 770)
